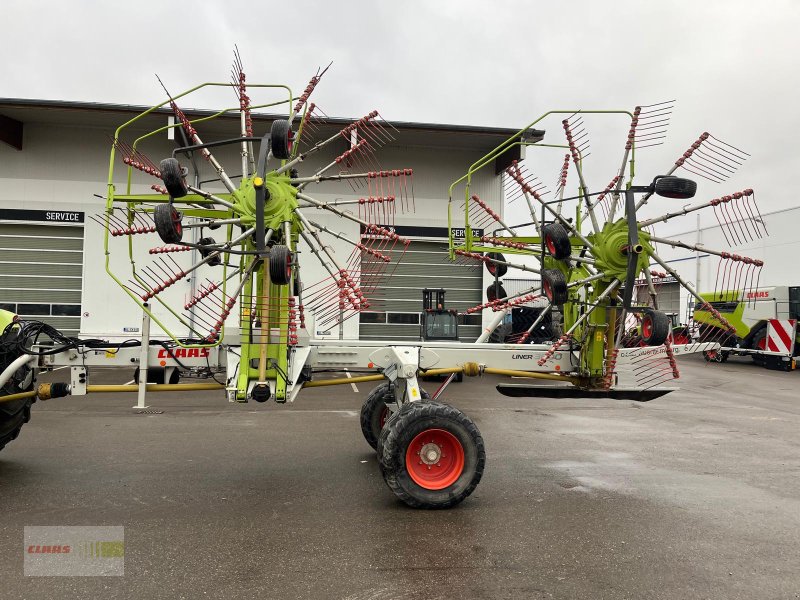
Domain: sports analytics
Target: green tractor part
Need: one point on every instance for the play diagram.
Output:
(749, 312)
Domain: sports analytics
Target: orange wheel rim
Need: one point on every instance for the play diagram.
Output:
(435, 459)
(647, 327)
(548, 290)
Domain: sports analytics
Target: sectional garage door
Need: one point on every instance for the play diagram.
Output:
(394, 314)
(41, 273)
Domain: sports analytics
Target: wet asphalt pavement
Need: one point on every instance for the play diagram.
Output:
(694, 495)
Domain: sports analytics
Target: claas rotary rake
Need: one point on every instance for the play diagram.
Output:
(238, 215)
(593, 249)
(246, 253)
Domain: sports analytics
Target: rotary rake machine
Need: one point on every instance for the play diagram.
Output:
(243, 233)
(241, 236)
(598, 260)
(252, 266)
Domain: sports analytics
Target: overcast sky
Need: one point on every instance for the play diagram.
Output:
(731, 64)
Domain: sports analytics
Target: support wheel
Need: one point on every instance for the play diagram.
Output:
(375, 412)
(496, 292)
(675, 187)
(173, 177)
(656, 327)
(494, 268)
(554, 285)
(432, 455)
(280, 265)
(556, 240)
(297, 286)
(715, 356)
(281, 139)
(204, 252)
(168, 223)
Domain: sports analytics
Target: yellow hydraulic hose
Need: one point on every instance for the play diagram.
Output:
(342, 380)
(43, 391)
(156, 387)
(493, 371)
(19, 396)
(470, 369)
(511, 373)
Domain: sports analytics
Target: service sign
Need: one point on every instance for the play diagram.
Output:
(44, 216)
(460, 233)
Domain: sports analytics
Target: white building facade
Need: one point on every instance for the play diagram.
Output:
(54, 169)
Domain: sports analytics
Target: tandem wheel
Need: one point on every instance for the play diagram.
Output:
(431, 455)
(375, 411)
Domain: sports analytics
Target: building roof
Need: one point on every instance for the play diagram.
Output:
(106, 115)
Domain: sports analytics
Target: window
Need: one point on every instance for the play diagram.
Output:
(469, 319)
(34, 309)
(373, 317)
(66, 310)
(403, 318)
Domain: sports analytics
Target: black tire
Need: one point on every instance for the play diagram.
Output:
(676, 187)
(173, 177)
(459, 451)
(554, 285)
(297, 286)
(281, 139)
(156, 375)
(204, 252)
(500, 333)
(715, 356)
(14, 414)
(375, 413)
(168, 223)
(280, 265)
(379, 447)
(681, 335)
(759, 342)
(556, 241)
(656, 327)
(496, 292)
(494, 268)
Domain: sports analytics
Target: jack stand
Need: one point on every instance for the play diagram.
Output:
(144, 359)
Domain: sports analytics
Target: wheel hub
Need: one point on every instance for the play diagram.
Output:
(430, 454)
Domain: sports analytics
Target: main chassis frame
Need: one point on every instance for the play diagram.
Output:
(398, 362)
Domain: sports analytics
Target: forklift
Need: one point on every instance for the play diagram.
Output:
(438, 323)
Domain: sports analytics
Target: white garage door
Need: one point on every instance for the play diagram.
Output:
(398, 303)
(41, 273)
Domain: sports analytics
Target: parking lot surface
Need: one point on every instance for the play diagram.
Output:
(693, 495)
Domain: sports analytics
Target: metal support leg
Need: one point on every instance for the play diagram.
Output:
(400, 365)
(144, 357)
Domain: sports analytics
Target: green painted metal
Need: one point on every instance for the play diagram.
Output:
(279, 211)
(609, 250)
(6, 318)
